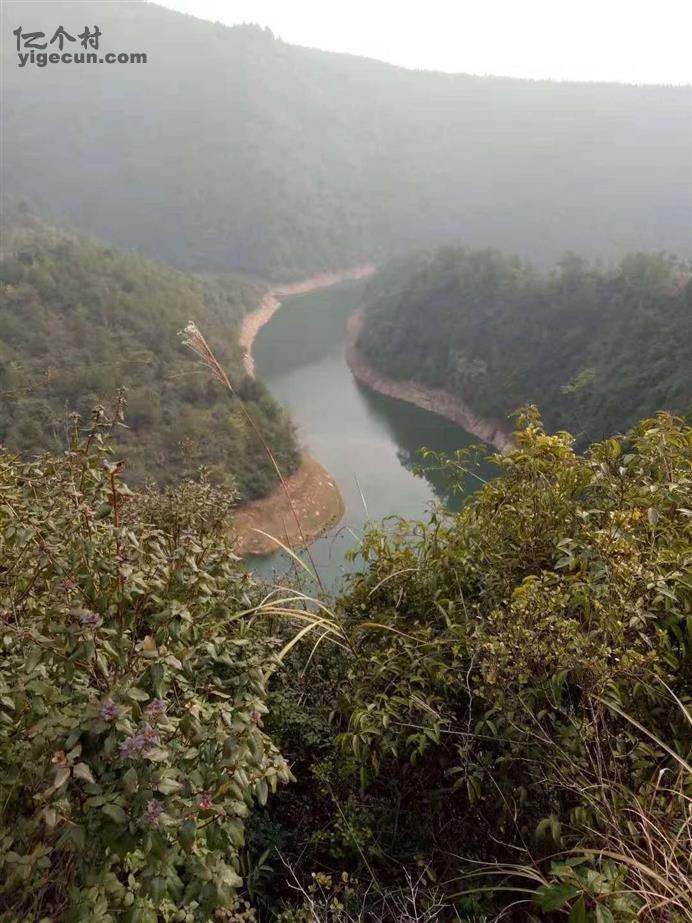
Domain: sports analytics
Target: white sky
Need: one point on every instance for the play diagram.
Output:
(633, 41)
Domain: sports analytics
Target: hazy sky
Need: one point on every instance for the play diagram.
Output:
(641, 41)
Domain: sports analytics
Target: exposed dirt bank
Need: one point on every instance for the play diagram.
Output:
(253, 322)
(315, 498)
(436, 400)
(314, 494)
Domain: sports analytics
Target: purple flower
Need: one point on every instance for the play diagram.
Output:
(132, 746)
(141, 743)
(154, 811)
(109, 710)
(150, 736)
(66, 586)
(89, 620)
(156, 708)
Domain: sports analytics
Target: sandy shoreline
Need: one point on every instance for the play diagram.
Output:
(314, 494)
(436, 400)
(253, 322)
(315, 498)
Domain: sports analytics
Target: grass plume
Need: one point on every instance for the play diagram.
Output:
(194, 340)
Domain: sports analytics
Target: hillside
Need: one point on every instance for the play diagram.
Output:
(230, 149)
(596, 348)
(80, 319)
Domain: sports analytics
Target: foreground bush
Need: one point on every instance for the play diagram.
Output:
(534, 686)
(513, 721)
(131, 697)
(493, 718)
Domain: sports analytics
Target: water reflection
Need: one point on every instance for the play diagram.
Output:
(428, 434)
(369, 442)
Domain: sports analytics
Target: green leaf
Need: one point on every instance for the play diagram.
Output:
(50, 816)
(130, 781)
(473, 788)
(578, 912)
(555, 895)
(157, 888)
(144, 915)
(156, 673)
(236, 831)
(82, 771)
(262, 791)
(168, 786)
(139, 695)
(116, 813)
(228, 877)
(187, 834)
(603, 914)
(73, 836)
(555, 829)
(62, 774)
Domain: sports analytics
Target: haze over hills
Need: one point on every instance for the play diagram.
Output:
(230, 149)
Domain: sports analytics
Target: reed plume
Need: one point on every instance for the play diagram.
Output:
(193, 338)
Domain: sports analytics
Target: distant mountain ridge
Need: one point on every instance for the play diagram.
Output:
(231, 150)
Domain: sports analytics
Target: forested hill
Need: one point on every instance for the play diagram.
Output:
(80, 319)
(230, 149)
(596, 348)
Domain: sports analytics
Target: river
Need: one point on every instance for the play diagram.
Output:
(367, 441)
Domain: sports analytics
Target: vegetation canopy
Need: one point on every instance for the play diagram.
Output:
(132, 693)
(513, 724)
(80, 319)
(232, 149)
(598, 348)
(498, 710)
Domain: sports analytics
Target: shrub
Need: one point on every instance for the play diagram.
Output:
(132, 690)
(523, 678)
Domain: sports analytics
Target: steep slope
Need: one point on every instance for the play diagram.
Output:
(595, 349)
(230, 149)
(80, 319)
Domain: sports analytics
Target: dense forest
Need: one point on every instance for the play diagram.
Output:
(80, 320)
(491, 721)
(230, 149)
(597, 348)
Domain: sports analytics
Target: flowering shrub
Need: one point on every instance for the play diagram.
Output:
(132, 690)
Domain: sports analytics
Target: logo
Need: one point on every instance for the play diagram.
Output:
(63, 48)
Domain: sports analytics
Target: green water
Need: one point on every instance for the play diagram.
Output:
(368, 442)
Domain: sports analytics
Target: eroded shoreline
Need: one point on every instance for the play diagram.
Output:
(317, 503)
(435, 400)
(253, 322)
(313, 492)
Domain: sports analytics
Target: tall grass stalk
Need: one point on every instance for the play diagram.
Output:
(647, 831)
(192, 338)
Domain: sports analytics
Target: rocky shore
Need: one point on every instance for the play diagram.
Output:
(436, 400)
(253, 322)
